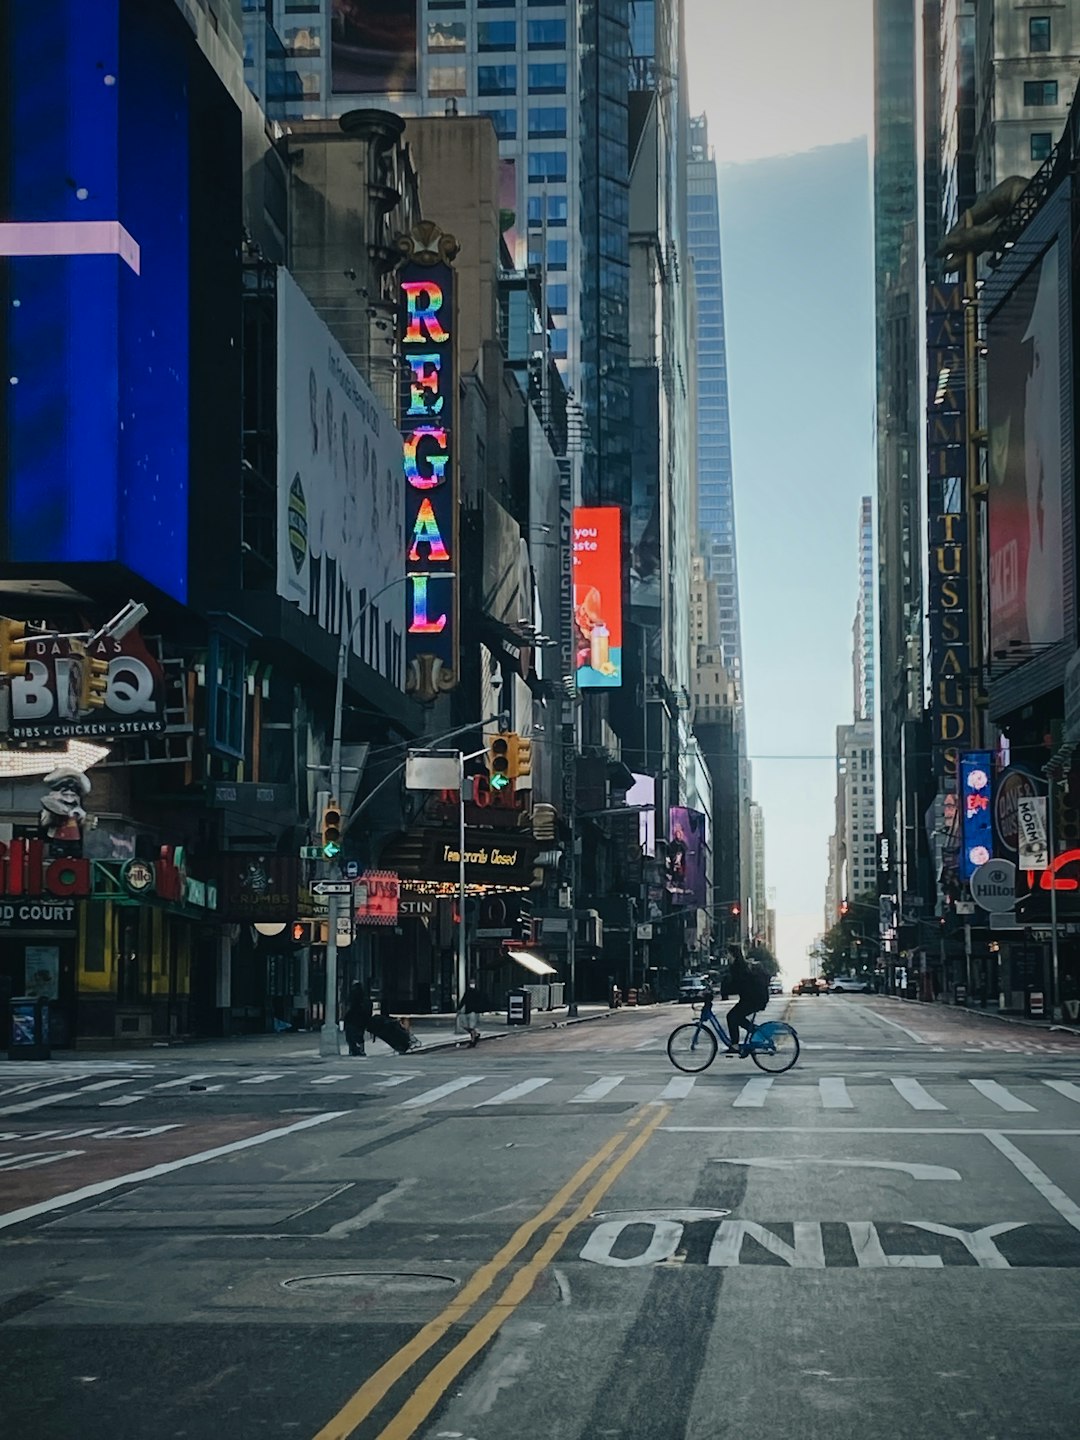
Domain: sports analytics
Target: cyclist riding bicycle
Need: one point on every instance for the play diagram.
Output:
(752, 987)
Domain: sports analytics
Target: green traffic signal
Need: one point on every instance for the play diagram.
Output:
(498, 782)
(330, 849)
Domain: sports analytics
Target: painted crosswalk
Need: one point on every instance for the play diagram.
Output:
(424, 1090)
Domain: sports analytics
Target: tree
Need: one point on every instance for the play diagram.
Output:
(847, 947)
(763, 956)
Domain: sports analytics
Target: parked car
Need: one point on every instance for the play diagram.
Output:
(691, 989)
(851, 983)
(810, 986)
(775, 987)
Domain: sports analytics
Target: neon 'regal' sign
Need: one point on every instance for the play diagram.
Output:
(427, 326)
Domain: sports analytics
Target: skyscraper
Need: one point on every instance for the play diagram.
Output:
(863, 632)
(715, 497)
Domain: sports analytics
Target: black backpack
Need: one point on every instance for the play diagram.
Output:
(756, 993)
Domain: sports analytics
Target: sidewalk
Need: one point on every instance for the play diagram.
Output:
(1008, 1016)
(434, 1032)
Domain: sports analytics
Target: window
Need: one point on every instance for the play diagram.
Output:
(446, 4)
(496, 34)
(558, 344)
(1040, 92)
(557, 210)
(225, 698)
(443, 35)
(547, 121)
(556, 253)
(557, 296)
(547, 165)
(505, 122)
(447, 80)
(496, 79)
(547, 34)
(1042, 142)
(1039, 34)
(303, 40)
(549, 79)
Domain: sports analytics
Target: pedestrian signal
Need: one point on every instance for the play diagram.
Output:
(331, 830)
(13, 659)
(498, 761)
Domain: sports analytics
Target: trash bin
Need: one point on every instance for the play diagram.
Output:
(1034, 1004)
(29, 1035)
(959, 994)
(518, 1007)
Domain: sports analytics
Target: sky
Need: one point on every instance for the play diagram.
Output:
(789, 119)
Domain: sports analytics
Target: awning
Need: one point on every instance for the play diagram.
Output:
(532, 962)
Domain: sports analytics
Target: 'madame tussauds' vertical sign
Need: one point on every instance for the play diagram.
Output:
(427, 324)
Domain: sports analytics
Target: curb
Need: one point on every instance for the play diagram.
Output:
(1019, 1020)
(456, 1042)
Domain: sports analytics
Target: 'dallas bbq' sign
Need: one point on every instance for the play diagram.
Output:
(46, 701)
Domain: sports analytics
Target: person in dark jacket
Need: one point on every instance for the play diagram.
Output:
(357, 1019)
(752, 988)
(469, 1008)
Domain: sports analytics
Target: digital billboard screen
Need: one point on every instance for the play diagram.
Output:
(341, 509)
(976, 816)
(687, 857)
(598, 595)
(373, 47)
(1027, 376)
(94, 266)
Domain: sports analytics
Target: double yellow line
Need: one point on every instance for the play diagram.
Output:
(430, 1390)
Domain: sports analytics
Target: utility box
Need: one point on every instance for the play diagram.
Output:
(28, 1038)
(518, 1007)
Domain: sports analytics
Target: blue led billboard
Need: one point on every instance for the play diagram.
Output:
(94, 232)
(976, 819)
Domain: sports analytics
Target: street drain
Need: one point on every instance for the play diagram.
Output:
(402, 1281)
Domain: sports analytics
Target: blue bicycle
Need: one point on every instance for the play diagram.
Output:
(773, 1046)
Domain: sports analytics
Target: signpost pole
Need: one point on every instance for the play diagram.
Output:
(461, 878)
(1055, 992)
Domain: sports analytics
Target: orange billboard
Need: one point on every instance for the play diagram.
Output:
(598, 582)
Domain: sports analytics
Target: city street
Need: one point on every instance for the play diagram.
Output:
(554, 1235)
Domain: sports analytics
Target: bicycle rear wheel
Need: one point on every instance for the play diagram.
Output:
(691, 1047)
(778, 1052)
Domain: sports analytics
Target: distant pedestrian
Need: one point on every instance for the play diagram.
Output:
(472, 1003)
(358, 1019)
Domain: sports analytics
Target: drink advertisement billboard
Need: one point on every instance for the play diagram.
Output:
(598, 587)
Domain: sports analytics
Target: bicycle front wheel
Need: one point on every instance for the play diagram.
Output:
(691, 1048)
(778, 1052)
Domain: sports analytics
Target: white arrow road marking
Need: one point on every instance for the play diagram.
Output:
(788, 1162)
(430, 1096)
(870, 1255)
(678, 1087)
(753, 1092)
(915, 1095)
(598, 1089)
(1064, 1087)
(978, 1243)
(1002, 1098)
(1051, 1193)
(515, 1092)
(834, 1093)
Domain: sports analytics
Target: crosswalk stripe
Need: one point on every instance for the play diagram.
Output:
(515, 1092)
(122, 1100)
(393, 1080)
(598, 1089)
(430, 1096)
(915, 1095)
(1064, 1087)
(106, 1084)
(834, 1093)
(1002, 1098)
(678, 1087)
(262, 1079)
(53, 1099)
(333, 1079)
(184, 1080)
(651, 1044)
(754, 1091)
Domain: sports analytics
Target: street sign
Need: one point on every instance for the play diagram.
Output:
(993, 886)
(310, 852)
(332, 887)
(965, 907)
(644, 931)
(352, 869)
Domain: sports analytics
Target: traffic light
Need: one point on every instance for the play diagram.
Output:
(736, 911)
(544, 822)
(12, 648)
(520, 756)
(94, 682)
(498, 761)
(331, 830)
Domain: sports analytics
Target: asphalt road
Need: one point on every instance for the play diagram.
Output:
(555, 1235)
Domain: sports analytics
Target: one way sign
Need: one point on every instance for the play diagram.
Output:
(331, 887)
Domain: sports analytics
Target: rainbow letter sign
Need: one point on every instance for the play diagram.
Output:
(427, 332)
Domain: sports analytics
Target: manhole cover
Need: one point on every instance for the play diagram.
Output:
(399, 1280)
